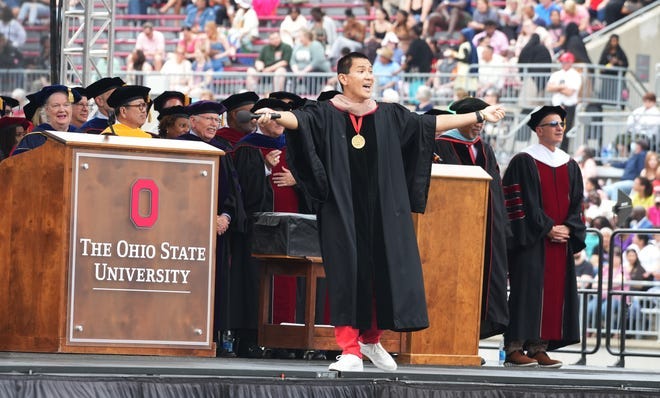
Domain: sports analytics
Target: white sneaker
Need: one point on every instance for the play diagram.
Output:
(378, 356)
(347, 363)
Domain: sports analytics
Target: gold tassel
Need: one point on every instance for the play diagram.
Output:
(70, 95)
(148, 99)
(186, 100)
(2, 106)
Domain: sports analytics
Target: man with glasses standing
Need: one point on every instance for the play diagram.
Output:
(131, 105)
(543, 192)
(80, 109)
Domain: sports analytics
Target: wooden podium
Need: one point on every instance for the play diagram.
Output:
(107, 245)
(451, 236)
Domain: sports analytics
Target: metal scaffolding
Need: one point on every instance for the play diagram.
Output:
(87, 43)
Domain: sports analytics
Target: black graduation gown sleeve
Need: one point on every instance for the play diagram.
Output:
(575, 219)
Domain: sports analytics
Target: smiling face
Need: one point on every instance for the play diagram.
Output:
(205, 125)
(550, 135)
(58, 111)
(358, 83)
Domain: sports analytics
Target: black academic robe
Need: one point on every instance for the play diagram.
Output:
(535, 268)
(494, 310)
(230, 307)
(359, 266)
(94, 125)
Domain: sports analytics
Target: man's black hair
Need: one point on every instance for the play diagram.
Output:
(344, 64)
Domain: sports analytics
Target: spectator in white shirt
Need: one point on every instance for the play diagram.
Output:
(292, 24)
(11, 28)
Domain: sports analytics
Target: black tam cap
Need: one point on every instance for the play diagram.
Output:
(272, 103)
(7, 101)
(177, 110)
(167, 95)
(327, 95)
(241, 99)
(39, 98)
(294, 100)
(539, 113)
(125, 94)
(435, 111)
(201, 107)
(101, 86)
(467, 105)
(82, 91)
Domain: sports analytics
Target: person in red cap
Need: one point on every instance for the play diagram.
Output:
(565, 85)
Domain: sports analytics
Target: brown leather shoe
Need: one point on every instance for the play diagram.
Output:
(519, 359)
(545, 361)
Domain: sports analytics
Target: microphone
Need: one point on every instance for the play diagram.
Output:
(246, 116)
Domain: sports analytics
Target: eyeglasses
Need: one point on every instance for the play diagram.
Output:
(141, 107)
(82, 105)
(211, 119)
(553, 124)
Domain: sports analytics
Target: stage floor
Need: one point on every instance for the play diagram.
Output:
(83, 368)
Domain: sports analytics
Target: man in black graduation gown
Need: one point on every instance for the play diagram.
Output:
(204, 121)
(543, 193)
(367, 165)
(464, 146)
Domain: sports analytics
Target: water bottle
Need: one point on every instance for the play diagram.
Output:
(501, 353)
(227, 342)
(605, 154)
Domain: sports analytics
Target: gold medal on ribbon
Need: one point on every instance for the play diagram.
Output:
(358, 141)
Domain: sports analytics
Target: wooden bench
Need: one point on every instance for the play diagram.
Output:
(307, 336)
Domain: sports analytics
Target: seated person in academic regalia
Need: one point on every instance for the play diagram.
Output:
(170, 98)
(7, 104)
(100, 90)
(56, 103)
(80, 109)
(173, 122)
(230, 220)
(12, 129)
(131, 105)
(235, 130)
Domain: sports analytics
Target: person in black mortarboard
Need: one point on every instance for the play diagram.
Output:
(231, 219)
(131, 106)
(173, 121)
(80, 109)
(170, 98)
(7, 104)
(544, 193)
(236, 130)
(292, 99)
(100, 90)
(12, 130)
(463, 146)
(268, 185)
(266, 179)
(55, 104)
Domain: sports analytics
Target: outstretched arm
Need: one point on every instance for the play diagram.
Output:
(286, 119)
(493, 113)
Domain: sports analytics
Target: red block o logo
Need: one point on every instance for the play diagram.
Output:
(150, 187)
